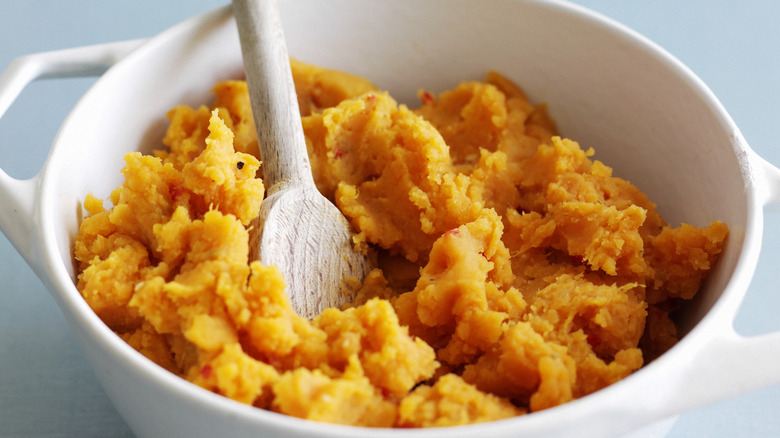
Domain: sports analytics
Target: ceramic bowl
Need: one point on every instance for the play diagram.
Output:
(645, 113)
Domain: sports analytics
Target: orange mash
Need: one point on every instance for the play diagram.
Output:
(513, 271)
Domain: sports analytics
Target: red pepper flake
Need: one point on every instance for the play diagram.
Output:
(205, 372)
(453, 232)
(427, 97)
(338, 153)
(371, 97)
(175, 191)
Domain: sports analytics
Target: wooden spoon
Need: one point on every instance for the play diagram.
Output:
(298, 230)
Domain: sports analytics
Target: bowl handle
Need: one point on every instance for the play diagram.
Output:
(18, 198)
(768, 183)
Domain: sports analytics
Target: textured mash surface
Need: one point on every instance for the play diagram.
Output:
(514, 272)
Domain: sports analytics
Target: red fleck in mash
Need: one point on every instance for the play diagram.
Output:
(514, 272)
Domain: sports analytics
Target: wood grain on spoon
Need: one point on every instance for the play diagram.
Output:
(298, 230)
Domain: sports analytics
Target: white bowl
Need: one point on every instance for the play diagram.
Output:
(646, 115)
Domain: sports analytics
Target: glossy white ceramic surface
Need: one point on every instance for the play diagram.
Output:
(645, 113)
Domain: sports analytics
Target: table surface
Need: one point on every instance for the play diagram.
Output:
(47, 388)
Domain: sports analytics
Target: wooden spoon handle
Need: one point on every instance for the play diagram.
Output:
(272, 93)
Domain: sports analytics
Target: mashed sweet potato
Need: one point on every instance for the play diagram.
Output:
(514, 272)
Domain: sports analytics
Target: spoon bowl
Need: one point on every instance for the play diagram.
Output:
(309, 240)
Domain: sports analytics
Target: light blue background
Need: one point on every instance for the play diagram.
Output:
(46, 387)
